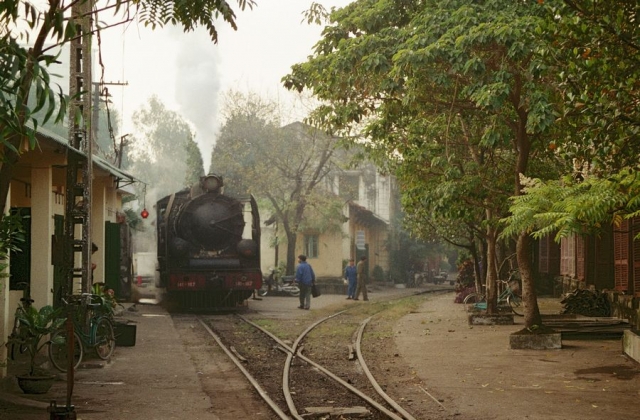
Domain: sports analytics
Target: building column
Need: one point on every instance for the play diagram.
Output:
(5, 316)
(98, 209)
(41, 233)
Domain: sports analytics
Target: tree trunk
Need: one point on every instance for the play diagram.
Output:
(492, 277)
(291, 253)
(529, 299)
(477, 269)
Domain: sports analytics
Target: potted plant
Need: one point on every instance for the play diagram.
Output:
(36, 326)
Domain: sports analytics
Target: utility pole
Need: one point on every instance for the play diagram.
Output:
(100, 90)
(79, 181)
(79, 167)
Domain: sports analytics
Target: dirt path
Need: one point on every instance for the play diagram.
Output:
(475, 374)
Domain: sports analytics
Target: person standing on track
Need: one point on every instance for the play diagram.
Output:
(351, 275)
(361, 270)
(305, 277)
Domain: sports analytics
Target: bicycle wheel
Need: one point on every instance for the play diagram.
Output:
(16, 345)
(16, 349)
(515, 302)
(471, 300)
(58, 350)
(105, 338)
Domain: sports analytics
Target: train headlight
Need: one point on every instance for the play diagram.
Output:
(211, 183)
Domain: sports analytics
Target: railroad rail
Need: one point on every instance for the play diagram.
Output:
(384, 407)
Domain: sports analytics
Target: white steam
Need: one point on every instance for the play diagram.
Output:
(197, 86)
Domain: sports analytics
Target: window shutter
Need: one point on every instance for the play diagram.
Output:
(636, 256)
(603, 261)
(568, 258)
(621, 256)
(581, 250)
(543, 251)
(564, 263)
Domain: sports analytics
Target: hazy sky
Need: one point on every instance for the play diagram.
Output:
(188, 72)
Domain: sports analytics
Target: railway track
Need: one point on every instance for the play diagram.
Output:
(319, 373)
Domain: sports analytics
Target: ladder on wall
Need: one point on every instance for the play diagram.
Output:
(78, 245)
(77, 222)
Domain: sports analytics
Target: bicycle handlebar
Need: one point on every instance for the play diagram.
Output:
(76, 299)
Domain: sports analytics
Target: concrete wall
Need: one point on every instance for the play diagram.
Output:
(38, 183)
(329, 261)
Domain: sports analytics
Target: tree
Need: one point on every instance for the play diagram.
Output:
(194, 163)
(566, 206)
(595, 47)
(409, 69)
(163, 153)
(25, 67)
(285, 167)
(239, 152)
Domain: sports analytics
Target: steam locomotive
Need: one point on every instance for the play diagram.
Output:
(208, 247)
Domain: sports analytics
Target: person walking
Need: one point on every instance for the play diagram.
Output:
(305, 277)
(351, 275)
(361, 270)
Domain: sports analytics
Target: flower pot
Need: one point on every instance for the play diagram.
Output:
(125, 334)
(35, 384)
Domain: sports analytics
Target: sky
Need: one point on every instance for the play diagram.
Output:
(188, 72)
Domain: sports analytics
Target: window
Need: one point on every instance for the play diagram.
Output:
(20, 268)
(311, 246)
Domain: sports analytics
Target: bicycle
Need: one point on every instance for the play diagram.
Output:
(93, 329)
(18, 339)
(509, 297)
(287, 288)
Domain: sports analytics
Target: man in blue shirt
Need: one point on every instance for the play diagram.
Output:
(305, 277)
(351, 275)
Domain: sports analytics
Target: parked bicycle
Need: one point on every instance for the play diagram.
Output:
(286, 288)
(17, 343)
(509, 297)
(93, 330)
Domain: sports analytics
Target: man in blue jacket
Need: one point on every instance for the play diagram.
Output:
(351, 275)
(305, 277)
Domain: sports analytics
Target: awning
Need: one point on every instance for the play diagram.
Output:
(123, 178)
(365, 217)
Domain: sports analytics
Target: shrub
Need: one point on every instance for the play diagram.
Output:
(466, 275)
(377, 274)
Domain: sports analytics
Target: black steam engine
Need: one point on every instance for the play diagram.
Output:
(208, 246)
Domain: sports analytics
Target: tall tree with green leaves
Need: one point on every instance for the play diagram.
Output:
(163, 154)
(594, 48)
(286, 168)
(594, 45)
(24, 67)
(407, 70)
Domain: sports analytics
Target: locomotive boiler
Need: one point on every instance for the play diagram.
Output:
(208, 246)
